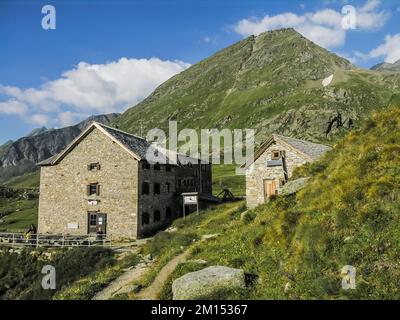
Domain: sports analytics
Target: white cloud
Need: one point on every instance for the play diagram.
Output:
(389, 50)
(39, 119)
(324, 27)
(90, 89)
(13, 107)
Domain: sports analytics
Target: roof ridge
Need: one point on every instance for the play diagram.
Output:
(306, 141)
(121, 131)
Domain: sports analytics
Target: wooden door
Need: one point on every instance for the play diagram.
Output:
(97, 223)
(269, 189)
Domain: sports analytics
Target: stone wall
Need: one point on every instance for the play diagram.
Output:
(63, 189)
(258, 172)
(152, 202)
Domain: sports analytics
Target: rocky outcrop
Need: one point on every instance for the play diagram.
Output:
(294, 186)
(200, 284)
(386, 66)
(21, 156)
(24, 194)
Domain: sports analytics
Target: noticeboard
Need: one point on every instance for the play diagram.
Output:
(190, 199)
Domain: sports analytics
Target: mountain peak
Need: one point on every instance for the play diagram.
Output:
(387, 66)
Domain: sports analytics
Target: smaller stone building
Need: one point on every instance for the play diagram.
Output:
(273, 166)
(106, 182)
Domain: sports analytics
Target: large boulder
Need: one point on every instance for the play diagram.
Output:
(294, 186)
(200, 284)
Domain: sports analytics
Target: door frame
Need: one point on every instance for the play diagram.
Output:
(269, 193)
(101, 223)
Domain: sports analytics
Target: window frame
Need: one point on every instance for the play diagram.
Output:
(274, 156)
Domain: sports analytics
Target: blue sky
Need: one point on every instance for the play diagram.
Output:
(105, 56)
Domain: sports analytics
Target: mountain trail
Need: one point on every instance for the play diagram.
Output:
(152, 291)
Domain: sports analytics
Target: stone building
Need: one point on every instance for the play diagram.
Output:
(273, 166)
(103, 183)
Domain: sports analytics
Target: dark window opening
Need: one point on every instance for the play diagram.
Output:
(157, 216)
(93, 189)
(168, 168)
(276, 155)
(168, 213)
(168, 187)
(157, 188)
(145, 218)
(145, 165)
(145, 188)
(157, 167)
(94, 166)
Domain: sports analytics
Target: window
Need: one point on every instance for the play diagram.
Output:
(157, 188)
(168, 187)
(145, 218)
(145, 188)
(93, 189)
(145, 165)
(168, 213)
(157, 216)
(94, 166)
(275, 155)
(157, 167)
(92, 219)
(168, 168)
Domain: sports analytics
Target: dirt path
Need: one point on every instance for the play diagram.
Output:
(123, 284)
(152, 291)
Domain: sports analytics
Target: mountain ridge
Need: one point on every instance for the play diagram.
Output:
(386, 66)
(272, 83)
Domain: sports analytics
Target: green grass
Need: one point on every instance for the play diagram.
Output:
(28, 180)
(87, 287)
(347, 215)
(17, 215)
(225, 177)
(166, 245)
(20, 272)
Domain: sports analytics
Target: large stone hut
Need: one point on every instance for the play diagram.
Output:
(103, 183)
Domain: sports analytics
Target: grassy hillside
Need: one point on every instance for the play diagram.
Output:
(271, 83)
(16, 215)
(347, 215)
(20, 272)
(28, 180)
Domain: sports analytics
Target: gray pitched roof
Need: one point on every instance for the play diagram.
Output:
(313, 150)
(136, 144)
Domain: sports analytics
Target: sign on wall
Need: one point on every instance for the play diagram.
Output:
(72, 225)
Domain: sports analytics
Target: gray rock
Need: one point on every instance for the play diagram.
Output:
(294, 186)
(195, 285)
(198, 261)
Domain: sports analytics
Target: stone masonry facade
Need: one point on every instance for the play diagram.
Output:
(259, 171)
(133, 197)
(63, 197)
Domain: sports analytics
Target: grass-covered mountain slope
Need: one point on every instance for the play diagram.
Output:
(349, 214)
(272, 83)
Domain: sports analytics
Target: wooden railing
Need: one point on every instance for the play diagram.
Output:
(45, 240)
